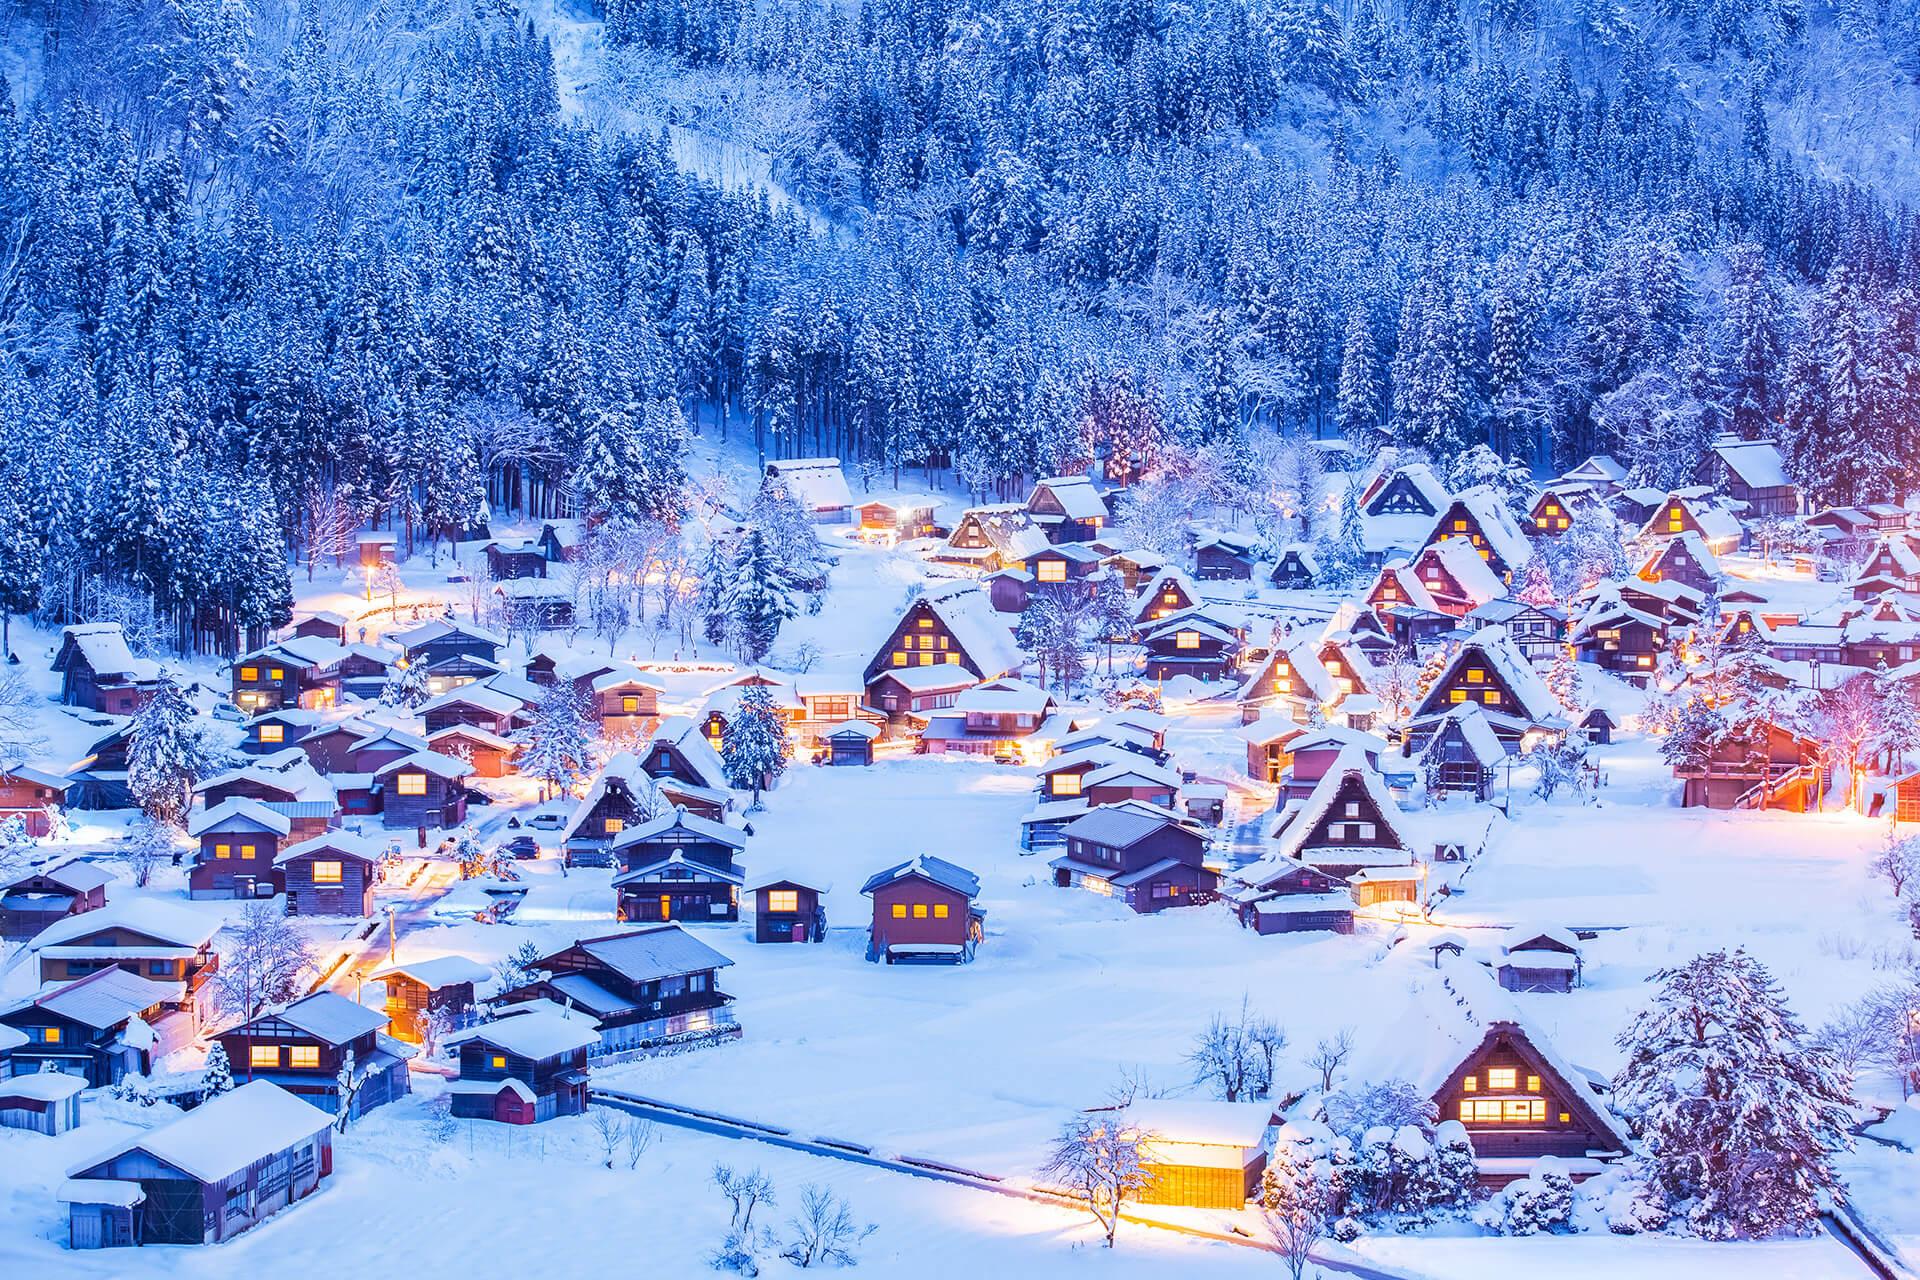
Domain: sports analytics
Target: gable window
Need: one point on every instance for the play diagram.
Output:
(1471, 1084)
(899, 658)
(1502, 1079)
(246, 851)
(498, 1062)
(1186, 640)
(1051, 571)
(629, 704)
(939, 911)
(615, 826)
(925, 624)
(50, 1035)
(1456, 695)
(263, 1055)
(276, 674)
(1533, 1084)
(1066, 784)
(1476, 676)
(787, 900)
(899, 911)
(326, 873)
(249, 673)
(305, 1056)
(411, 784)
(919, 911)
(223, 851)
(1459, 526)
(1490, 696)
(273, 733)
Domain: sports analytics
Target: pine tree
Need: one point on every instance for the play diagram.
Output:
(164, 756)
(757, 746)
(1536, 587)
(405, 686)
(216, 1077)
(556, 747)
(1740, 1114)
(759, 598)
(1358, 409)
(1899, 720)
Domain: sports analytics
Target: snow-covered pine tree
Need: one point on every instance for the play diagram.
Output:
(1740, 1113)
(556, 746)
(164, 756)
(757, 746)
(1536, 585)
(216, 1076)
(405, 686)
(760, 597)
(1899, 720)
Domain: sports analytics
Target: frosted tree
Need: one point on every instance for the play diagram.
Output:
(1536, 585)
(1236, 1057)
(164, 756)
(1100, 1159)
(1113, 610)
(267, 961)
(216, 1076)
(1564, 683)
(556, 746)
(756, 747)
(759, 598)
(405, 686)
(1360, 396)
(1342, 552)
(1898, 718)
(517, 970)
(148, 847)
(1739, 1112)
(1297, 1199)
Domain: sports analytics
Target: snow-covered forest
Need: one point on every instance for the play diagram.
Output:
(267, 272)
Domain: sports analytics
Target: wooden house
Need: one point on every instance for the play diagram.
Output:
(1459, 752)
(1135, 565)
(1292, 897)
(421, 991)
(443, 639)
(1200, 1153)
(1598, 726)
(850, 742)
(33, 900)
(519, 558)
(906, 692)
(1619, 637)
(1411, 490)
(816, 485)
(686, 769)
(1456, 579)
(1488, 670)
(1191, 644)
(1130, 777)
(285, 782)
(308, 1046)
(239, 839)
(989, 719)
(1599, 472)
(357, 746)
(1681, 558)
(896, 520)
(1170, 592)
(1348, 822)
(1225, 557)
(1689, 512)
(1297, 568)
(924, 910)
(618, 797)
(27, 793)
(422, 791)
(272, 732)
(99, 672)
(538, 604)
(323, 625)
(990, 539)
(789, 910)
(1553, 511)
(148, 937)
(45, 1102)
(99, 1027)
(522, 1068)
(1533, 958)
(1069, 508)
(949, 625)
(99, 779)
(1538, 631)
(1479, 516)
(678, 867)
(627, 703)
(1317, 750)
(300, 671)
(489, 754)
(1895, 559)
(474, 704)
(1759, 765)
(225, 1166)
(1751, 472)
(1063, 565)
(1268, 739)
(645, 988)
(329, 875)
(1148, 860)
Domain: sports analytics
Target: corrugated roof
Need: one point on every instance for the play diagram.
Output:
(938, 870)
(104, 999)
(225, 1134)
(654, 953)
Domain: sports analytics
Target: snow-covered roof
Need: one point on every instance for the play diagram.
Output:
(852, 729)
(969, 617)
(679, 867)
(1461, 561)
(440, 628)
(817, 484)
(150, 917)
(534, 1035)
(1076, 495)
(42, 1086)
(1715, 523)
(79, 876)
(1755, 463)
(472, 733)
(1300, 823)
(1598, 466)
(1477, 731)
(1203, 1121)
(224, 1134)
(441, 971)
(1496, 524)
(938, 870)
(113, 1191)
(104, 646)
(340, 842)
(241, 809)
(102, 999)
(1167, 577)
(661, 952)
(692, 744)
(678, 819)
(427, 762)
(331, 1018)
(1131, 764)
(1005, 695)
(1421, 476)
(478, 695)
(1496, 647)
(939, 676)
(625, 675)
(1118, 827)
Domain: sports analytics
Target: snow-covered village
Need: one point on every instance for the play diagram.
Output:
(1122, 638)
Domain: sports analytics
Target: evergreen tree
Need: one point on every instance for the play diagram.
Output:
(164, 756)
(216, 1077)
(757, 746)
(759, 599)
(556, 746)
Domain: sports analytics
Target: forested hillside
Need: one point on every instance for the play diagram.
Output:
(267, 272)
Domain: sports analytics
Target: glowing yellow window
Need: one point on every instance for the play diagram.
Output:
(925, 624)
(263, 1055)
(499, 1062)
(1333, 666)
(919, 911)
(304, 1055)
(1539, 522)
(1561, 523)
(249, 673)
(1533, 1084)
(1471, 1084)
(629, 705)
(246, 851)
(1502, 1079)
(615, 826)
(939, 911)
(899, 658)
(783, 900)
(1553, 509)
(276, 674)
(1459, 526)
(1066, 784)
(50, 1035)
(223, 851)
(1490, 696)
(1282, 684)
(1052, 571)
(411, 784)
(273, 733)
(953, 657)
(899, 911)
(926, 659)
(1388, 592)
(326, 873)
(1565, 1118)
(1186, 640)
(1476, 675)
(1456, 695)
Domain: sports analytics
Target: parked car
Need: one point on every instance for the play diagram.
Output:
(547, 821)
(521, 847)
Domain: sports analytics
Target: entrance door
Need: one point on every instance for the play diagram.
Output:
(666, 906)
(799, 932)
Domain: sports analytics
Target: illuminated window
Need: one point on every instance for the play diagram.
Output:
(1502, 1079)
(1471, 1084)
(939, 911)
(919, 911)
(304, 1055)
(1533, 1084)
(326, 873)
(1066, 784)
(1565, 1118)
(1186, 640)
(953, 658)
(249, 673)
(1456, 695)
(1553, 509)
(899, 658)
(926, 659)
(615, 826)
(223, 851)
(629, 705)
(1459, 526)
(276, 674)
(499, 1062)
(783, 900)
(50, 1035)
(1282, 684)
(411, 784)
(1561, 523)
(925, 624)
(1333, 667)
(246, 851)
(1052, 571)
(899, 911)
(1476, 676)
(263, 1055)
(273, 733)
(1490, 696)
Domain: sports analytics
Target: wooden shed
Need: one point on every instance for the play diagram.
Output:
(1201, 1153)
(46, 1102)
(420, 989)
(850, 743)
(786, 910)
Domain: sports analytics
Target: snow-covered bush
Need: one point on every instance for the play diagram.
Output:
(1633, 1205)
(216, 1076)
(1543, 1201)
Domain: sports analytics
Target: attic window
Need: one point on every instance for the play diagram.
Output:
(1471, 1084)
(629, 704)
(1186, 640)
(499, 1062)
(1051, 571)
(783, 900)
(925, 624)
(615, 826)
(1459, 526)
(326, 873)
(1502, 1079)
(1066, 784)
(273, 733)
(411, 784)
(276, 674)
(249, 673)
(1476, 675)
